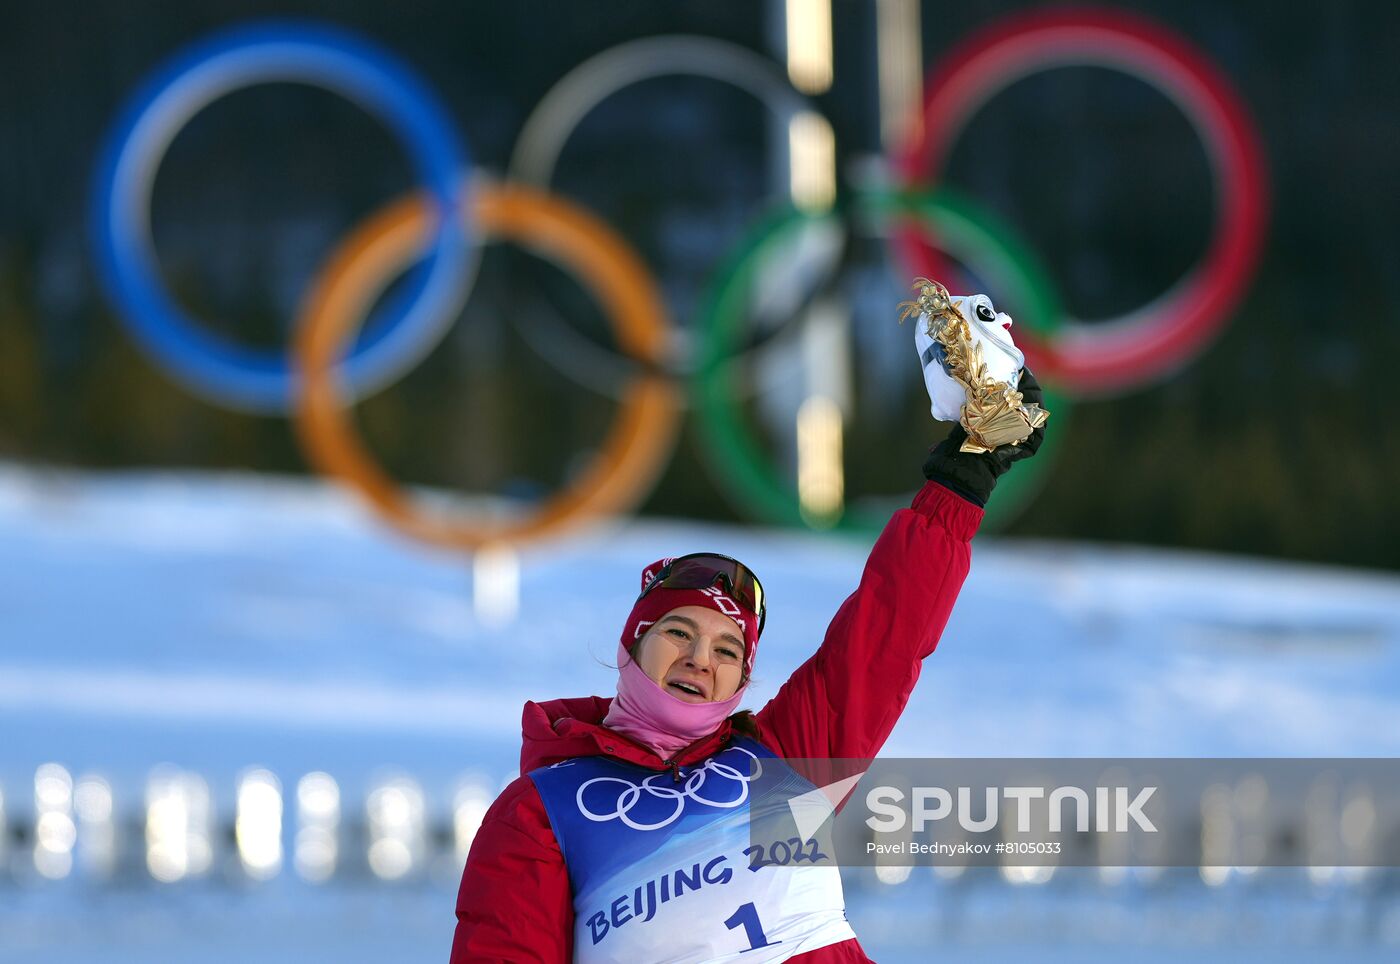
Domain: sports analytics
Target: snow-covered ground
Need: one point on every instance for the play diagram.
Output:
(222, 622)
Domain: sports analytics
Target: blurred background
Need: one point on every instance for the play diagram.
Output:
(268, 615)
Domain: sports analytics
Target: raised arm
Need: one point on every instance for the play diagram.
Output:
(845, 700)
(514, 904)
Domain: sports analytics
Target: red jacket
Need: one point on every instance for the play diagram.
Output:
(515, 903)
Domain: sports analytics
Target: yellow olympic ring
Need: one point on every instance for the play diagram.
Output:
(637, 447)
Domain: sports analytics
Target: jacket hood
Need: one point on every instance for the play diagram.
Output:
(558, 730)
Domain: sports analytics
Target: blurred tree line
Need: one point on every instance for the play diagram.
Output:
(1276, 440)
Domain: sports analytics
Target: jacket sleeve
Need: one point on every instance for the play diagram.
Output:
(845, 699)
(515, 902)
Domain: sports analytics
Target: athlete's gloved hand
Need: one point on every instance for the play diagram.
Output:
(972, 475)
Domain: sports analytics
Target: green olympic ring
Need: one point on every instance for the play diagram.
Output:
(977, 239)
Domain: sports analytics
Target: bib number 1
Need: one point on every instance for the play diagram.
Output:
(747, 916)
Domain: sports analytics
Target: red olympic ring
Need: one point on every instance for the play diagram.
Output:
(1156, 339)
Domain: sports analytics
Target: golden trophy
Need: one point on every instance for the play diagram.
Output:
(971, 367)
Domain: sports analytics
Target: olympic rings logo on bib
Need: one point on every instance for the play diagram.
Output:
(656, 787)
(342, 350)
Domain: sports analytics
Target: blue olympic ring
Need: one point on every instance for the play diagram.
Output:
(337, 61)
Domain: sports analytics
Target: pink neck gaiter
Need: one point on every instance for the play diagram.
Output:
(653, 717)
(643, 710)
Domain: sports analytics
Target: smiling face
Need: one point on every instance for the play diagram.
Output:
(694, 653)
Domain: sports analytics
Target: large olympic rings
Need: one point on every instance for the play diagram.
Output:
(1157, 338)
(743, 468)
(265, 53)
(335, 363)
(629, 460)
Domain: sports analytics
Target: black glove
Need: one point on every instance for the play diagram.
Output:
(972, 475)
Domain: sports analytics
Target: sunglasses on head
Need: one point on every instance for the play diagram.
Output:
(701, 570)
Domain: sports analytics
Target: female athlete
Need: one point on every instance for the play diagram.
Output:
(623, 839)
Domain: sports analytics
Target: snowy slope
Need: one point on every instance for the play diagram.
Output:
(218, 622)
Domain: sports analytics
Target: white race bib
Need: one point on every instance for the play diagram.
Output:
(664, 869)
